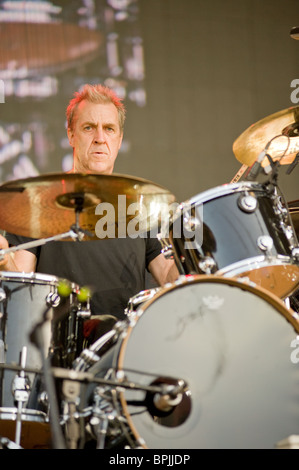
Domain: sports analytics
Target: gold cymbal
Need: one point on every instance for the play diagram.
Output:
(46, 205)
(282, 127)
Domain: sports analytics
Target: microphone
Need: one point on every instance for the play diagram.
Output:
(294, 33)
(256, 166)
(269, 168)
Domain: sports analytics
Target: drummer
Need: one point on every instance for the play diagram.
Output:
(114, 269)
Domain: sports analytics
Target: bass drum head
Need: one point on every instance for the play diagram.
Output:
(233, 344)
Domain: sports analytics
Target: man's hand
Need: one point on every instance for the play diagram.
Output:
(163, 270)
(18, 261)
(4, 260)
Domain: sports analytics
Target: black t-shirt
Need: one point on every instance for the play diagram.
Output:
(114, 269)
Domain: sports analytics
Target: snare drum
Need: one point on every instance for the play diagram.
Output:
(236, 230)
(231, 343)
(25, 300)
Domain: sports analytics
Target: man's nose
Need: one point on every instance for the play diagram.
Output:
(99, 135)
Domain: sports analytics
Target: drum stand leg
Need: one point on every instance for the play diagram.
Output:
(7, 444)
(71, 391)
(101, 432)
(21, 394)
(105, 418)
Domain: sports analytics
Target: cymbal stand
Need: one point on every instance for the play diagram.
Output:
(21, 390)
(105, 416)
(71, 391)
(42, 241)
(37, 338)
(75, 232)
(25, 246)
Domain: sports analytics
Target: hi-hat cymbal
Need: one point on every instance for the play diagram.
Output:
(284, 126)
(45, 206)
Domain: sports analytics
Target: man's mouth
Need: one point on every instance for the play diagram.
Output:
(99, 153)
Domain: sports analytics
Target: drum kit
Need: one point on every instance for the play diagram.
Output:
(208, 361)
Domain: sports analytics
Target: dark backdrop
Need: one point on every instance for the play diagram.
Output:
(194, 75)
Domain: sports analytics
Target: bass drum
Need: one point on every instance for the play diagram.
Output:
(231, 343)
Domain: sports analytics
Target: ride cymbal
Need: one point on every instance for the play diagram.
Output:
(282, 127)
(46, 205)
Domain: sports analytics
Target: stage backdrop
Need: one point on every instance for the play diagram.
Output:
(194, 74)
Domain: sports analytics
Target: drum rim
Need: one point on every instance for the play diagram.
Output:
(135, 300)
(256, 262)
(290, 315)
(34, 278)
(216, 192)
(243, 270)
(243, 283)
(224, 190)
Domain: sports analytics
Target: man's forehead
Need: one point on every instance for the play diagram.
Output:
(92, 112)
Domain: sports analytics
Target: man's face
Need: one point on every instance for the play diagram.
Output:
(95, 137)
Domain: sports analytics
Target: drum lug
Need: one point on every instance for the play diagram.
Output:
(191, 223)
(167, 252)
(207, 265)
(295, 253)
(53, 299)
(265, 243)
(247, 203)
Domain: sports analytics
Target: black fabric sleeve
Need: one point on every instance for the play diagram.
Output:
(15, 240)
(153, 249)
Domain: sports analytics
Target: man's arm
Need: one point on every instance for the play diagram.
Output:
(19, 261)
(163, 270)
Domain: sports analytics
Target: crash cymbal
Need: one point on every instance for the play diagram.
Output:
(45, 206)
(253, 140)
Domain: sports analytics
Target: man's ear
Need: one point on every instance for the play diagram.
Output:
(70, 136)
(121, 139)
